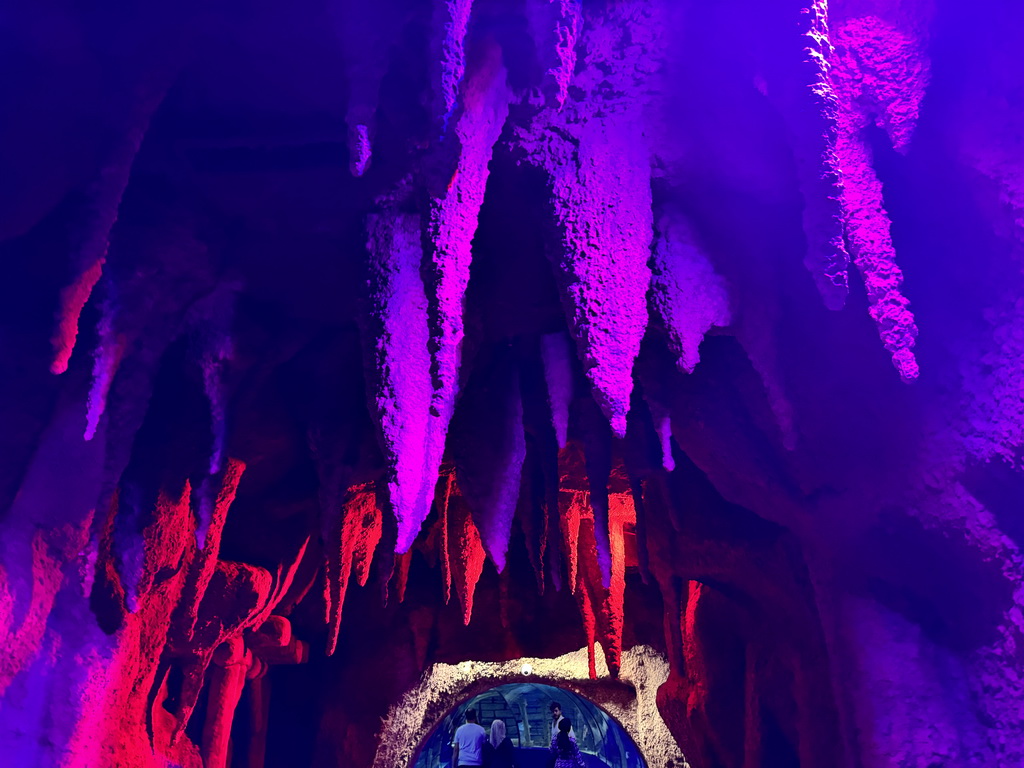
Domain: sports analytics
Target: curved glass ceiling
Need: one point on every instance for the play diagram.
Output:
(525, 709)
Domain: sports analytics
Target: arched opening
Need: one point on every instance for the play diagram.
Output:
(524, 708)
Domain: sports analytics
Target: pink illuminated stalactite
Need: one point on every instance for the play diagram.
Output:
(879, 75)
(868, 228)
(93, 241)
(606, 603)
(452, 226)
(488, 448)
(573, 505)
(465, 551)
(283, 580)
(589, 626)
(355, 536)
(622, 513)
(686, 292)
(205, 560)
(402, 564)
(444, 493)
(135, 559)
(397, 341)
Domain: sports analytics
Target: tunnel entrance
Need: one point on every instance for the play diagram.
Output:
(524, 708)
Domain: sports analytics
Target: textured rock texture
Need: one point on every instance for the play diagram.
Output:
(356, 356)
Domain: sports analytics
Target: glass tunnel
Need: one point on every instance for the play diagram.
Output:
(524, 707)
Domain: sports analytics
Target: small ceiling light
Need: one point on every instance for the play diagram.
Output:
(527, 669)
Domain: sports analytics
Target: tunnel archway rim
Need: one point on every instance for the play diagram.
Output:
(630, 700)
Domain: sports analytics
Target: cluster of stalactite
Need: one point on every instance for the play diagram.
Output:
(510, 438)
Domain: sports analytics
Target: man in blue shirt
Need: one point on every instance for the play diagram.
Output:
(468, 744)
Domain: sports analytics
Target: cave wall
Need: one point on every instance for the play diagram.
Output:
(342, 342)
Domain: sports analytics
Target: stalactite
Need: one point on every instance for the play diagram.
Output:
(573, 505)
(589, 628)
(367, 33)
(556, 354)
(450, 25)
(686, 292)
(452, 226)
(106, 360)
(595, 153)
(879, 74)
(556, 26)
(445, 484)
(602, 205)
(465, 550)
(204, 561)
(214, 351)
(354, 536)
(655, 372)
(809, 107)
(395, 337)
(93, 240)
(605, 602)
(145, 317)
(402, 574)
(283, 581)
(333, 476)
(387, 554)
(138, 552)
(489, 447)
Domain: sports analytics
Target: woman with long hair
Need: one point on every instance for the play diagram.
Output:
(564, 751)
(498, 751)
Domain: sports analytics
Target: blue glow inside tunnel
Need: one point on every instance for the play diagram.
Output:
(524, 707)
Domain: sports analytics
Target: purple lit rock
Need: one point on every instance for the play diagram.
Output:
(396, 336)
(879, 74)
(686, 292)
(452, 226)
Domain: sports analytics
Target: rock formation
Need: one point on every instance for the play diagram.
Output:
(347, 342)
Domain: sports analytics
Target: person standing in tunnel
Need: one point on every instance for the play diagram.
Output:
(565, 753)
(498, 750)
(556, 718)
(468, 743)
